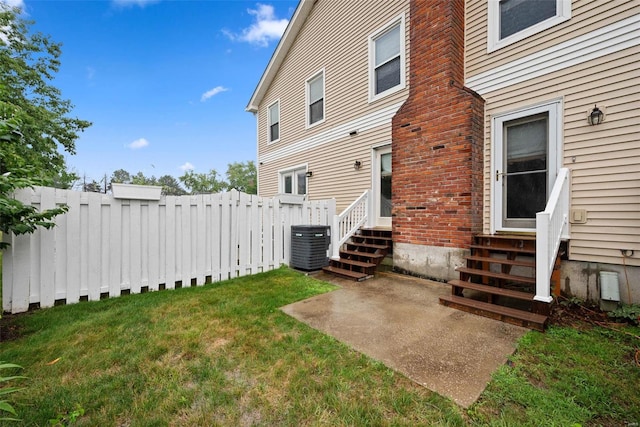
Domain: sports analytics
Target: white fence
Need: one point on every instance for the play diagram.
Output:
(105, 246)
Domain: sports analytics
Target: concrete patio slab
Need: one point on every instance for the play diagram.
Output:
(397, 320)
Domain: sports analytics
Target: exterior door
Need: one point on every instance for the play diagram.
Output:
(525, 166)
(382, 187)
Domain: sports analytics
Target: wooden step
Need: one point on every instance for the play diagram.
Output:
(493, 290)
(369, 255)
(514, 262)
(354, 275)
(504, 249)
(497, 312)
(366, 245)
(502, 276)
(506, 236)
(355, 263)
(366, 237)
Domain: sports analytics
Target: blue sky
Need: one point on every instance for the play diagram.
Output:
(165, 83)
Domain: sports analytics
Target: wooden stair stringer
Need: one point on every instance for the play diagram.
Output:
(499, 282)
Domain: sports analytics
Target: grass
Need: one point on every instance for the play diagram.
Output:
(224, 354)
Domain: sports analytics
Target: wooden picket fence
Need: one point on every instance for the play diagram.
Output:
(105, 247)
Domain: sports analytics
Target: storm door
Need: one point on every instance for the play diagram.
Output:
(525, 167)
(382, 187)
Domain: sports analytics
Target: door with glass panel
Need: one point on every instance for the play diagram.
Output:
(382, 187)
(525, 169)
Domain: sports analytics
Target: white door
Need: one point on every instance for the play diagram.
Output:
(525, 165)
(382, 187)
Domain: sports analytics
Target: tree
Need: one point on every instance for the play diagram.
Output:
(121, 176)
(170, 186)
(28, 63)
(203, 183)
(15, 216)
(33, 122)
(140, 179)
(243, 177)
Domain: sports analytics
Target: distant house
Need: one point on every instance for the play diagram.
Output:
(464, 120)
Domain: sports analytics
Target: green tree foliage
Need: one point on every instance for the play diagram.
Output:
(203, 183)
(170, 186)
(121, 176)
(15, 216)
(243, 177)
(34, 123)
(28, 63)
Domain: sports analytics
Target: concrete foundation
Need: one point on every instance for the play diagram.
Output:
(582, 280)
(430, 262)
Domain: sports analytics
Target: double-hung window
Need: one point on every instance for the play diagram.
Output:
(514, 20)
(387, 59)
(294, 181)
(315, 99)
(274, 122)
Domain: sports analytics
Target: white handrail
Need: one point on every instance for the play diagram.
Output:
(552, 226)
(348, 222)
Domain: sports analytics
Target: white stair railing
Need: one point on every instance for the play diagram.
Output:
(348, 222)
(552, 226)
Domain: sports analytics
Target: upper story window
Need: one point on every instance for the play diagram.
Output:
(315, 99)
(274, 122)
(514, 20)
(387, 60)
(294, 181)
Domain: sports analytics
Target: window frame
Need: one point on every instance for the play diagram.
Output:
(293, 172)
(269, 124)
(563, 13)
(308, 82)
(397, 21)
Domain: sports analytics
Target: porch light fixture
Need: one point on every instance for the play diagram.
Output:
(596, 116)
(357, 165)
(309, 174)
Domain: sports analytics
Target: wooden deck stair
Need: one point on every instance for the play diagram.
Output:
(362, 254)
(499, 282)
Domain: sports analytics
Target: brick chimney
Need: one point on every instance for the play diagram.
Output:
(437, 148)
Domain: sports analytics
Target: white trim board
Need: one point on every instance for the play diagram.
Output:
(604, 41)
(361, 124)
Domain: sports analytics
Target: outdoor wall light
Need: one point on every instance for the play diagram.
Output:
(596, 116)
(357, 165)
(309, 174)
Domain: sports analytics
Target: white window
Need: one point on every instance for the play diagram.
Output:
(274, 122)
(294, 181)
(387, 60)
(315, 99)
(514, 20)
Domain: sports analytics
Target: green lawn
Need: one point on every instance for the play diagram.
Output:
(224, 354)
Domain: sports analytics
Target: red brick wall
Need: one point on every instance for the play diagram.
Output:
(437, 136)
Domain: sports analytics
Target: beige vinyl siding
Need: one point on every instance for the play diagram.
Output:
(586, 16)
(332, 167)
(335, 37)
(606, 170)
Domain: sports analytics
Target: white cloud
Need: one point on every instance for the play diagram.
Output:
(4, 35)
(265, 28)
(127, 3)
(13, 3)
(213, 92)
(6, 30)
(138, 143)
(187, 167)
